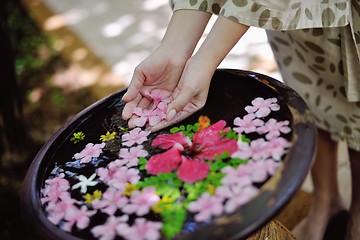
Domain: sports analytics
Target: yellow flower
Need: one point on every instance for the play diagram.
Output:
(161, 205)
(77, 137)
(129, 189)
(211, 189)
(89, 198)
(108, 136)
(204, 122)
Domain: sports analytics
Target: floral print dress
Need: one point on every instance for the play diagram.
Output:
(316, 45)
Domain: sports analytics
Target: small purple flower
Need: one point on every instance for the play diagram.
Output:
(131, 156)
(116, 175)
(55, 188)
(277, 147)
(90, 151)
(124, 175)
(56, 210)
(256, 150)
(247, 124)
(257, 171)
(111, 200)
(238, 176)
(262, 107)
(206, 206)
(141, 202)
(273, 128)
(108, 230)
(108, 173)
(141, 230)
(146, 115)
(240, 196)
(134, 136)
(77, 216)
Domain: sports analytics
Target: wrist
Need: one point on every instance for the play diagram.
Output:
(184, 31)
(221, 39)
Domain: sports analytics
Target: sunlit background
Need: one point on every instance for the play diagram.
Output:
(122, 33)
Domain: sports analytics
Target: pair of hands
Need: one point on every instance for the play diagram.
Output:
(172, 68)
(186, 82)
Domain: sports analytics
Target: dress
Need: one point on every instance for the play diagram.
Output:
(316, 45)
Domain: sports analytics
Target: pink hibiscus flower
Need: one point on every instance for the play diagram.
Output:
(206, 206)
(111, 200)
(141, 230)
(108, 230)
(188, 157)
(141, 202)
(90, 151)
(262, 107)
(134, 136)
(131, 156)
(273, 128)
(247, 124)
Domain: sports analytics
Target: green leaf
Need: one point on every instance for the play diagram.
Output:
(142, 161)
(196, 127)
(173, 219)
(189, 128)
(182, 128)
(235, 162)
(174, 130)
(232, 134)
(245, 139)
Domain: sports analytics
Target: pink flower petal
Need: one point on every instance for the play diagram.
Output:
(217, 148)
(140, 121)
(209, 134)
(166, 141)
(164, 162)
(192, 170)
(153, 120)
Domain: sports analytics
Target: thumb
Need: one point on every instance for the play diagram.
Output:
(134, 87)
(183, 98)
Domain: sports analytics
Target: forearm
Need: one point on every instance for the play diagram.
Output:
(221, 39)
(184, 31)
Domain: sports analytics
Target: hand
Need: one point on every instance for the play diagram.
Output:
(190, 94)
(160, 71)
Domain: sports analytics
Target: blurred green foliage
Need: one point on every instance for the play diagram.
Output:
(27, 40)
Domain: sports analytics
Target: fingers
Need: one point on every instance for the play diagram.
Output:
(184, 96)
(135, 85)
(165, 123)
(129, 107)
(144, 103)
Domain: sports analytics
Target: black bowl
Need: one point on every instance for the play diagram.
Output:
(230, 91)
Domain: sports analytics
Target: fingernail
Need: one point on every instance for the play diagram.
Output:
(171, 114)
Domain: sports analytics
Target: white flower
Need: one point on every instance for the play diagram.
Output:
(85, 182)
